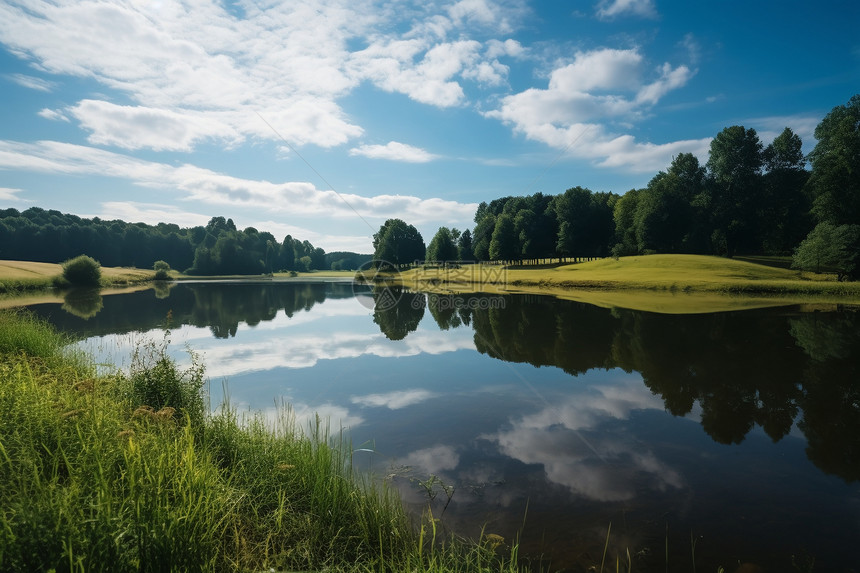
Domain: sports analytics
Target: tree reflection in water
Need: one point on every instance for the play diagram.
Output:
(756, 367)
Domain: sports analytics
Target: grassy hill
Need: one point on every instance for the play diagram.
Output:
(662, 283)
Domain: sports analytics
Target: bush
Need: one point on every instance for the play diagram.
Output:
(829, 247)
(162, 270)
(82, 271)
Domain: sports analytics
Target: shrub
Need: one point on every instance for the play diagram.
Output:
(162, 270)
(82, 271)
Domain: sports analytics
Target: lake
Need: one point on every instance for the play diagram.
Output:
(724, 438)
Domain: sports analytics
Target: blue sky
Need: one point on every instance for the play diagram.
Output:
(323, 118)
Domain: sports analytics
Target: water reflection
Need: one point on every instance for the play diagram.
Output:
(742, 369)
(583, 413)
(397, 311)
(84, 303)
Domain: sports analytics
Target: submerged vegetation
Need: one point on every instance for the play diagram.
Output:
(129, 472)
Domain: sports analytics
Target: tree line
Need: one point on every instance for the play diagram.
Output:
(747, 198)
(218, 248)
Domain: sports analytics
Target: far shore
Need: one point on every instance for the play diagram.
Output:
(677, 284)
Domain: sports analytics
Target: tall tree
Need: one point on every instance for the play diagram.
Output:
(483, 235)
(785, 210)
(665, 218)
(734, 170)
(572, 209)
(442, 247)
(503, 245)
(835, 180)
(398, 243)
(464, 246)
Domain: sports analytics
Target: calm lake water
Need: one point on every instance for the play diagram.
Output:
(732, 436)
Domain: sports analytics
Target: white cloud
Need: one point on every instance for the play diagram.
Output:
(609, 9)
(53, 115)
(33, 82)
(597, 465)
(433, 460)
(604, 69)
(604, 85)
(802, 125)
(395, 66)
(509, 47)
(394, 151)
(305, 417)
(215, 189)
(354, 243)
(10, 194)
(281, 347)
(394, 400)
(136, 127)
(202, 73)
(151, 214)
(670, 79)
(478, 11)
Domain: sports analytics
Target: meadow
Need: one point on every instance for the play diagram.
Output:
(657, 283)
(23, 276)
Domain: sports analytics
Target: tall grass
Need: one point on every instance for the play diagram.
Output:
(126, 472)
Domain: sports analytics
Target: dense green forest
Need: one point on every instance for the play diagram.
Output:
(747, 199)
(218, 248)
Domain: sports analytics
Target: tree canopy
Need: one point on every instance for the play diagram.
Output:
(219, 247)
(747, 198)
(397, 243)
(442, 247)
(835, 179)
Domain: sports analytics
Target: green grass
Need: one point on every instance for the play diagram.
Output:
(659, 283)
(125, 472)
(26, 276)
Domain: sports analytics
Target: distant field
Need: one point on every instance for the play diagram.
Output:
(17, 270)
(27, 275)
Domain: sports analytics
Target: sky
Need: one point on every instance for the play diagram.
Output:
(323, 118)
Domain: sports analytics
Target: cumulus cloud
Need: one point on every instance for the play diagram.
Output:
(394, 151)
(137, 127)
(394, 400)
(598, 86)
(211, 188)
(566, 440)
(425, 75)
(610, 9)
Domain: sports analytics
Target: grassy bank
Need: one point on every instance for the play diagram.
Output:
(130, 472)
(662, 283)
(27, 276)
